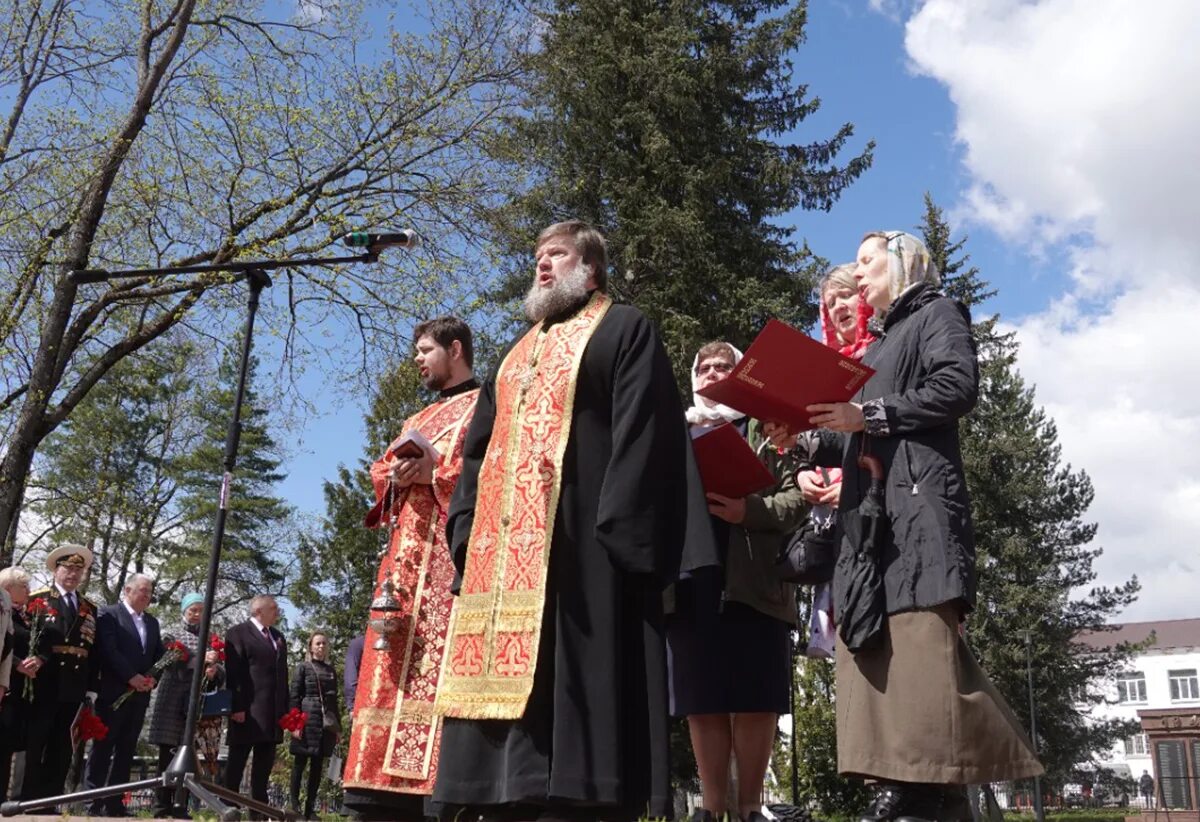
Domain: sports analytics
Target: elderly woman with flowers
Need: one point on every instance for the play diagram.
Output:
(915, 712)
(171, 700)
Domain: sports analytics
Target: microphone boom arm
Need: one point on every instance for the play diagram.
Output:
(99, 275)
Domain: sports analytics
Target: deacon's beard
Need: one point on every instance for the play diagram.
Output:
(564, 295)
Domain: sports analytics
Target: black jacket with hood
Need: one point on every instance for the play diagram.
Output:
(927, 377)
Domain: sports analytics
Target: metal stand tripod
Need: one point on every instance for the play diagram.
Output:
(181, 775)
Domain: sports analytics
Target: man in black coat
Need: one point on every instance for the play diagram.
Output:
(65, 670)
(354, 655)
(256, 669)
(128, 644)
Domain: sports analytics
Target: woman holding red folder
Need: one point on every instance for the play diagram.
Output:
(915, 712)
(844, 319)
(728, 638)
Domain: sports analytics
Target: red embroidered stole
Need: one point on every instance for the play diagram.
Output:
(396, 736)
(497, 617)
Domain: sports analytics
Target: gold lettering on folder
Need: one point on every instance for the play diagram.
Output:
(857, 371)
(744, 374)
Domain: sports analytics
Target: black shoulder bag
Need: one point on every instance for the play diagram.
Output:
(808, 554)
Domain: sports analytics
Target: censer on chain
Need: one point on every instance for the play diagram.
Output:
(388, 623)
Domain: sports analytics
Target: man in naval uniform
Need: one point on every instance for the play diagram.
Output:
(67, 670)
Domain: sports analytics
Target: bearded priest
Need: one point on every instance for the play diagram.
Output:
(393, 753)
(579, 502)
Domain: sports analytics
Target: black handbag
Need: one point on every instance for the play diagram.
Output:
(807, 555)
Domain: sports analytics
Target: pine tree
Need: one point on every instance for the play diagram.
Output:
(1034, 549)
(105, 477)
(339, 561)
(257, 532)
(658, 122)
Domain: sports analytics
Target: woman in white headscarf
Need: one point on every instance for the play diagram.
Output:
(728, 640)
(914, 710)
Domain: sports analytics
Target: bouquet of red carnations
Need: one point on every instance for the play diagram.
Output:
(217, 644)
(90, 726)
(39, 611)
(175, 652)
(293, 720)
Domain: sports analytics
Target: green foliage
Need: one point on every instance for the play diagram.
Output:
(106, 478)
(658, 122)
(1035, 555)
(816, 744)
(339, 559)
(144, 134)
(255, 540)
(1082, 815)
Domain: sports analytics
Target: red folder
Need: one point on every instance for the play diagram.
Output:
(728, 465)
(783, 372)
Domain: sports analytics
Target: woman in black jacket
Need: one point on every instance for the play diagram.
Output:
(914, 710)
(314, 690)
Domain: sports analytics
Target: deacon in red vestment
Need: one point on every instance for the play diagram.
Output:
(579, 501)
(393, 754)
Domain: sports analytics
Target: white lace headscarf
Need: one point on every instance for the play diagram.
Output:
(909, 264)
(701, 414)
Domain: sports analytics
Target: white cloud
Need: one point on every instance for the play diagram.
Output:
(1078, 121)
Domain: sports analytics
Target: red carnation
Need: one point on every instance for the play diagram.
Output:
(293, 720)
(40, 607)
(178, 650)
(91, 726)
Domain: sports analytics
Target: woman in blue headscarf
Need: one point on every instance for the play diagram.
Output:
(171, 698)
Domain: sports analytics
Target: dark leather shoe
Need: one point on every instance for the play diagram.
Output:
(890, 801)
(914, 802)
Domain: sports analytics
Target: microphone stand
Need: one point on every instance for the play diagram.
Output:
(181, 774)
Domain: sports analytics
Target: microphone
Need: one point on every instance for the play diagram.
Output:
(88, 275)
(386, 239)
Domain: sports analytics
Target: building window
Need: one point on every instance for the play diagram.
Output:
(1137, 745)
(1184, 685)
(1132, 687)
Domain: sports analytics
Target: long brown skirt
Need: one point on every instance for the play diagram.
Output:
(920, 709)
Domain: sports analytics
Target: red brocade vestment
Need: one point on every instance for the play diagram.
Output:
(396, 736)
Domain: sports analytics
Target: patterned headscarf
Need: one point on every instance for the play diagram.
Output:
(701, 414)
(909, 265)
(842, 276)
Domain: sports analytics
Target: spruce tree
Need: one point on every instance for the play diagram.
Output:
(340, 558)
(1035, 552)
(105, 477)
(663, 123)
(257, 525)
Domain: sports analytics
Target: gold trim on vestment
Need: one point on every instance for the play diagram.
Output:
(496, 621)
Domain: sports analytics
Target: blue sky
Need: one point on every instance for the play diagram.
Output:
(1022, 120)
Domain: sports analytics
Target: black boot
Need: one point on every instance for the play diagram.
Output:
(915, 802)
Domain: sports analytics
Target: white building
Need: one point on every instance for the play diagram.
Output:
(1163, 676)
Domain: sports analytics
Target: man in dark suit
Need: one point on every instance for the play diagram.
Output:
(64, 668)
(128, 644)
(256, 672)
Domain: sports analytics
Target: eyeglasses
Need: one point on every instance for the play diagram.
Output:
(720, 367)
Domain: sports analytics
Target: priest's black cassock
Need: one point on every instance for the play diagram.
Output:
(631, 515)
